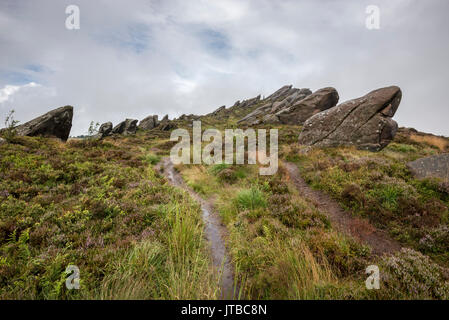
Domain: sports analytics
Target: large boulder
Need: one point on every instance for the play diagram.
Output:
(434, 166)
(56, 123)
(364, 122)
(149, 123)
(127, 127)
(105, 129)
(303, 109)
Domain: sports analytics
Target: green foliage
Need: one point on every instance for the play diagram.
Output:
(250, 199)
(10, 124)
(101, 207)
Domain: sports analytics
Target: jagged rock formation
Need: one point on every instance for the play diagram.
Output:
(166, 124)
(56, 123)
(301, 110)
(149, 123)
(127, 127)
(247, 103)
(364, 122)
(434, 166)
(290, 105)
(105, 129)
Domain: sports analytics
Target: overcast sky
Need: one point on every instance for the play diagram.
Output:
(131, 59)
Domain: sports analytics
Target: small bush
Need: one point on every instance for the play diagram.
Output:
(251, 199)
(412, 275)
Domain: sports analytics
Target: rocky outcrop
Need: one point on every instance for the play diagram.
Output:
(218, 111)
(247, 103)
(290, 105)
(434, 166)
(166, 124)
(127, 127)
(105, 129)
(56, 123)
(364, 122)
(303, 109)
(149, 123)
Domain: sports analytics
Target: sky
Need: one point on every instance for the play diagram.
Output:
(131, 59)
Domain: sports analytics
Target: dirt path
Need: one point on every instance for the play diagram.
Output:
(342, 220)
(214, 231)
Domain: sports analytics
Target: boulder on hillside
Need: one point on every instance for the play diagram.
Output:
(127, 127)
(105, 129)
(56, 123)
(363, 122)
(149, 123)
(300, 111)
(165, 124)
(290, 105)
(434, 166)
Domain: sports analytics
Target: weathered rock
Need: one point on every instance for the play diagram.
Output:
(434, 166)
(105, 129)
(259, 111)
(166, 124)
(270, 118)
(250, 102)
(303, 109)
(2, 141)
(149, 123)
(56, 123)
(364, 122)
(127, 127)
(218, 111)
(279, 93)
(281, 100)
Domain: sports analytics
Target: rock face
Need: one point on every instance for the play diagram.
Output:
(129, 126)
(290, 105)
(105, 129)
(56, 123)
(364, 122)
(302, 110)
(149, 123)
(166, 124)
(434, 166)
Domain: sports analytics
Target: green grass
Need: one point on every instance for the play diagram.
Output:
(380, 187)
(251, 199)
(98, 205)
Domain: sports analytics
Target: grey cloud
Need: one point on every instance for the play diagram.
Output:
(142, 57)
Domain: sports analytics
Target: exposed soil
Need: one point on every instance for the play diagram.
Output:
(343, 221)
(214, 231)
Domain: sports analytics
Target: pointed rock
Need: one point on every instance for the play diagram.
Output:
(56, 123)
(303, 109)
(149, 123)
(364, 122)
(105, 129)
(127, 127)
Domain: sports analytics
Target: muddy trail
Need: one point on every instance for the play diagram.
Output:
(214, 231)
(343, 221)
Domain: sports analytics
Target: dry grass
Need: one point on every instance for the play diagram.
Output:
(439, 142)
